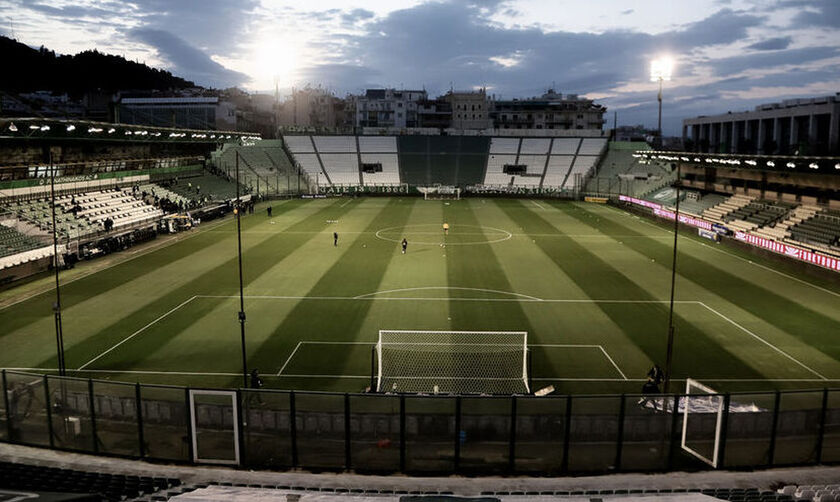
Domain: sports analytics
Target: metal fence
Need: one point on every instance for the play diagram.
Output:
(269, 429)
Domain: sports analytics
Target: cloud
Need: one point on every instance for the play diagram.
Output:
(357, 15)
(187, 61)
(771, 44)
(628, 11)
(817, 13)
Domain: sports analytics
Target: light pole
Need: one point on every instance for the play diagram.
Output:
(237, 211)
(660, 71)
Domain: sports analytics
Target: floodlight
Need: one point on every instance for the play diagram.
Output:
(111, 130)
(661, 69)
(837, 166)
(770, 163)
(71, 128)
(791, 165)
(34, 127)
(45, 128)
(813, 165)
(13, 127)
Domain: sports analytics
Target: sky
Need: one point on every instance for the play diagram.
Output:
(729, 55)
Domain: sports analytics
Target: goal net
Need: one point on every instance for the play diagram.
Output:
(452, 362)
(441, 192)
(702, 409)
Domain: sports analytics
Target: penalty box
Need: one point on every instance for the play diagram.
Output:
(351, 359)
(195, 334)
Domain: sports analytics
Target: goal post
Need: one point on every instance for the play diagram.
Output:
(452, 362)
(440, 192)
(702, 409)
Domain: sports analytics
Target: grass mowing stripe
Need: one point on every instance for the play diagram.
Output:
(360, 268)
(811, 327)
(39, 306)
(477, 266)
(645, 324)
(222, 278)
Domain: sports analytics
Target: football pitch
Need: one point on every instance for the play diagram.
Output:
(589, 283)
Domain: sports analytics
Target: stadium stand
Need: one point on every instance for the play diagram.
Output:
(557, 169)
(299, 144)
(335, 144)
(390, 174)
(815, 493)
(821, 231)
(377, 144)
(535, 146)
(592, 146)
(207, 187)
(116, 205)
(718, 212)
(82, 214)
(565, 146)
(619, 160)
(264, 165)
(754, 215)
(495, 170)
(341, 168)
(447, 160)
(697, 203)
(111, 487)
(151, 190)
(582, 165)
(21, 247)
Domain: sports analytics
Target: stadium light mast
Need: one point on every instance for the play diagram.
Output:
(660, 71)
(59, 330)
(238, 212)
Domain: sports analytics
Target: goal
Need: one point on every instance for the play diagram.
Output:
(441, 192)
(452, 362)
(702, 409)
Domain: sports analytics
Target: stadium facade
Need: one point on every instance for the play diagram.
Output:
(809, 126)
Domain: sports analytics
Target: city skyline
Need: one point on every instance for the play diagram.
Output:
(730, 55)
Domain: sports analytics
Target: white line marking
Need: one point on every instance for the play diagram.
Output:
(145, 251)
(539, 205)
(348, 201)
(447, 299)
(802, 281)
(557, 379)
(613, 362)
(762, 340)
(289, 358)
(447, 288)
(564, 346)
(129, 337)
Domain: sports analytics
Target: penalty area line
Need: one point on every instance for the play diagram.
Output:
(129, 337)
(762, 340)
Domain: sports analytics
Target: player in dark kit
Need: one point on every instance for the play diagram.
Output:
(656, 374)
(335, 238)
(404, 245)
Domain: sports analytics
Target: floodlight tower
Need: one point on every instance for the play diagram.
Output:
(660, 71)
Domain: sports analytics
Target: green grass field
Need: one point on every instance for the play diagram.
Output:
(589, 283)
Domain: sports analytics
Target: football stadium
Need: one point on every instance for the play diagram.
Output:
(425, 304)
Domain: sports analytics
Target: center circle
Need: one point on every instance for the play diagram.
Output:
(430, 234)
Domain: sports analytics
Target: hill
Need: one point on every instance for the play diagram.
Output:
(29, 69)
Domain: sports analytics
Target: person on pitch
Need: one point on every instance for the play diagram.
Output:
(404, 245)
(335, 238)
(656, 375)
(445, 228)
(269, 211)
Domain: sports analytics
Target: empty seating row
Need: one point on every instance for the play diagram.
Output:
(13, 242)
(108, 486)
(817, 493)
(718, 212)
